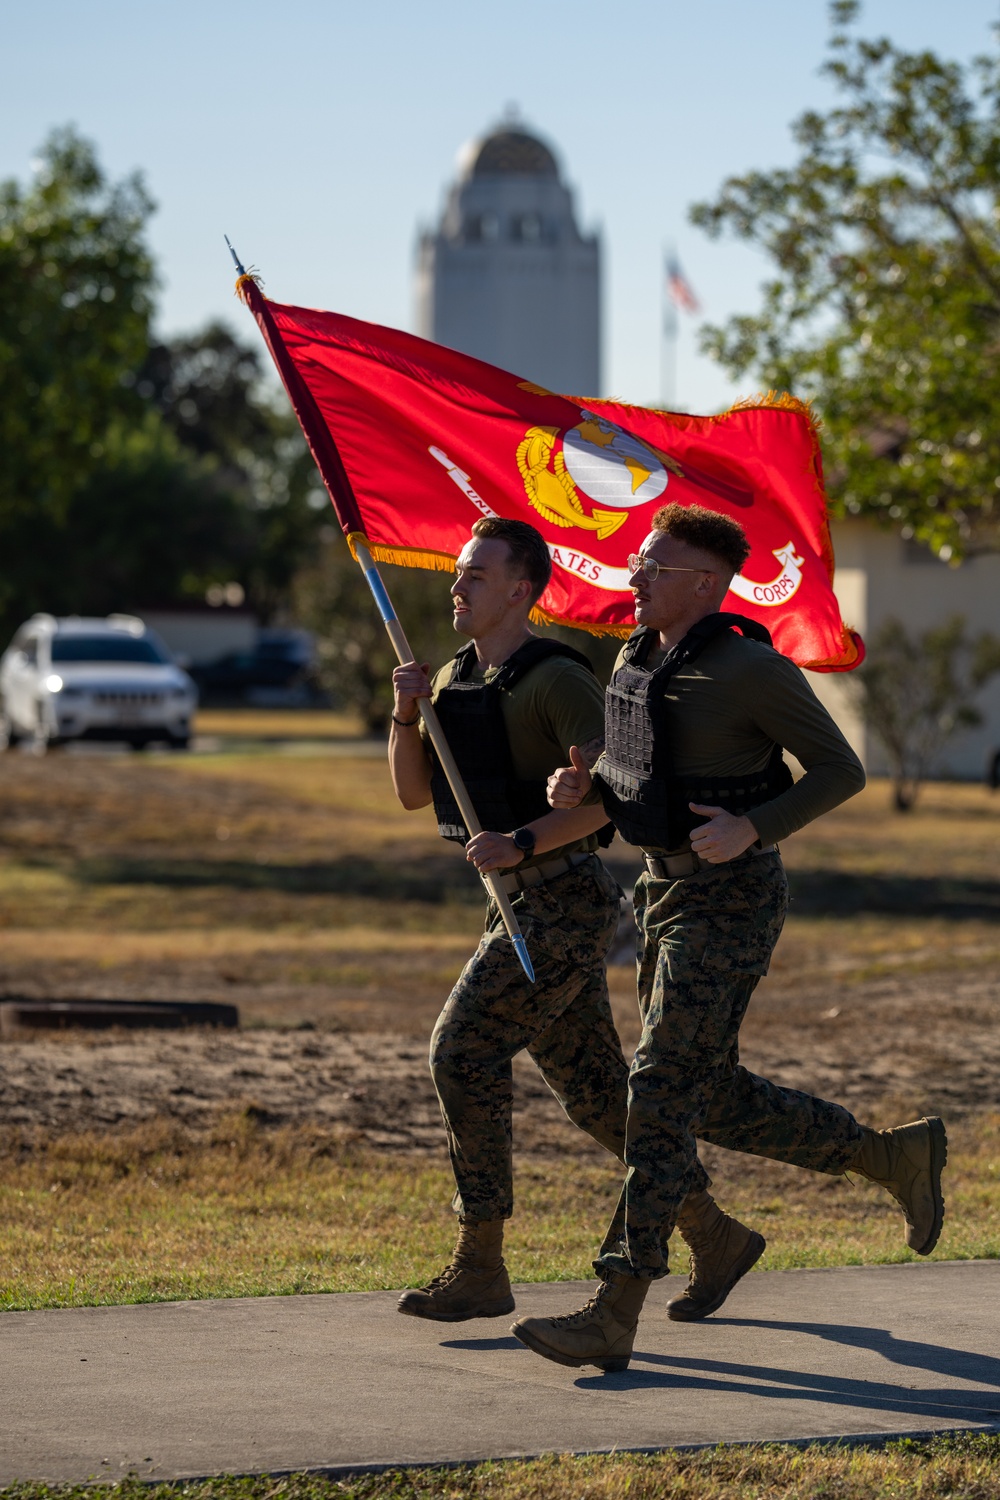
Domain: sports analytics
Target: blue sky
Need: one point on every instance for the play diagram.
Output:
(318, 135)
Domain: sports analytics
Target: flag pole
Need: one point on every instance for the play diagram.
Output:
(330, 465)
(670, 331)
(442, 750)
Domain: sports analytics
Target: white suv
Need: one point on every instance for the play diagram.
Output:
(92, 679)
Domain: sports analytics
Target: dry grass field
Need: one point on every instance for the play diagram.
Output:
(300, 1151)
(271, 724)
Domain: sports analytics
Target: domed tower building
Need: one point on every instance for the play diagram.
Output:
(508, 276)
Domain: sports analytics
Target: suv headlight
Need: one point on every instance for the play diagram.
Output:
(55, 684)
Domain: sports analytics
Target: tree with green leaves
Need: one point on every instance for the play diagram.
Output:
(76, 287)
(917, 693)
(356, 660)
(135, 473)
(883, 307)
(209, 389)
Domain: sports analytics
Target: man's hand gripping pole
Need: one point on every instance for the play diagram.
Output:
(442, 750)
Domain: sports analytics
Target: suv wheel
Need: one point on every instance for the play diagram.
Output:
(41, 737)
(8, 734)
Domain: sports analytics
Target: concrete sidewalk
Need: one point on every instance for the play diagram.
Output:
(330, 1382)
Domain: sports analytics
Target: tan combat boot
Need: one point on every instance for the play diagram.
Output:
(722, 1250)
(474, 1285)
(601, 1333)
(908, 1161)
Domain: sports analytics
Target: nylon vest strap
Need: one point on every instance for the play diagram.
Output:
(471, 715)
(643, 797)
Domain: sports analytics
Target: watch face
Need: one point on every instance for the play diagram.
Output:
(524, 840)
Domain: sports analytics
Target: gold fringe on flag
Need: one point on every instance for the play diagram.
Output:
(252, 276)
(849, 657)
(763, 401)
(403, 557)
(542, 617)
(773, 401)
(443, 562)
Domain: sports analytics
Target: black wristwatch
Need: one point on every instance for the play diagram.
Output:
(524, 840)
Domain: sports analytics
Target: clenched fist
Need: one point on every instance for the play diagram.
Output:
(723, 837)
(410, 683)
(493, 851)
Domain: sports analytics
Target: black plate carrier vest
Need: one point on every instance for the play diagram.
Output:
(645, 800)
(471, 715)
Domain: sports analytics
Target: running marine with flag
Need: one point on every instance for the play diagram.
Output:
(410, 438)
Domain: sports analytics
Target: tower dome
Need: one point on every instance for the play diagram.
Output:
(509, 152)
(507, 275)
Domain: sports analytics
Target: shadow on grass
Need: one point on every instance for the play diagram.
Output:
(437, 878)
(845, 893)
(832, 893)
(841, 893)
(434, 879)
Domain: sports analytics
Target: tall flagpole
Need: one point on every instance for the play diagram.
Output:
(669, 336)
(330, 465)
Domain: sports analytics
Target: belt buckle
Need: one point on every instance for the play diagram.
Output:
(674, 866)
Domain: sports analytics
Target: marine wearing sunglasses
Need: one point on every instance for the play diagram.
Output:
(653, 569)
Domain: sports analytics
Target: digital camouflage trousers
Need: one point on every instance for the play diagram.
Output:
(563, 1019)
(706, 941)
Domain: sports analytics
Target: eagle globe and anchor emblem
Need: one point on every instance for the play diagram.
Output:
(616, 472)
(613, 469)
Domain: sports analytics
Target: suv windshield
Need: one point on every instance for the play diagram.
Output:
(104, 648)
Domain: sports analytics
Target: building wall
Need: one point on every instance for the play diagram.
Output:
(533, 305)
(201, 636)
(880, 576)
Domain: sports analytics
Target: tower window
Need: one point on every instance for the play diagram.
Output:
(482, 227)
(527, 227)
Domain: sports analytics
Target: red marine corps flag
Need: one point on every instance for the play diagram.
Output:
(416, 441)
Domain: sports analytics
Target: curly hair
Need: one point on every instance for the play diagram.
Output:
(529, 553)
(710, 532)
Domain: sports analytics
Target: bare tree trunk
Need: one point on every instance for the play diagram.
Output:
(904, 794)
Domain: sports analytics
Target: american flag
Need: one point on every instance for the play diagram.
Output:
(679, 289)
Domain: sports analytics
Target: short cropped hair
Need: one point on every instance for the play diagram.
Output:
(529, 553)
(710, 532)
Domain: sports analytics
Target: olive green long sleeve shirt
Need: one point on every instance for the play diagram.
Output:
(727, 709)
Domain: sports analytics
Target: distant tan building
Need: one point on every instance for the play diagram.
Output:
(880, 575)
(201, 634)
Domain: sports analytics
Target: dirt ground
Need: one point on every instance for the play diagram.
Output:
(294, 887)
(886, 1048)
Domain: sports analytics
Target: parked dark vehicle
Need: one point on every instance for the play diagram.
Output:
(278, 672)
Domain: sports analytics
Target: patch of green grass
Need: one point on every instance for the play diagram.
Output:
(962, 1467)
(156, 1215)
